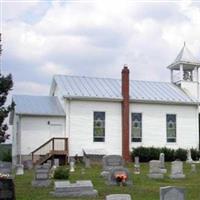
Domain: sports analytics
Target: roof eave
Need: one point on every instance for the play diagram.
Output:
(182, 62)
(164, 102)
(39, 114)
(84, 98)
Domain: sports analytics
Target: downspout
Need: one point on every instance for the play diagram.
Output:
(19, 139)
(69, 126)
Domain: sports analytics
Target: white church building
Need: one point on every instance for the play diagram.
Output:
(108, 115)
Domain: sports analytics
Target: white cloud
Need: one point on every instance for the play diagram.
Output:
(97, 38)
(31, 88)
(50, 68)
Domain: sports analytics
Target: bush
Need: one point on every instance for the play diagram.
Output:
(195, 154)
(151, 153)
(181, 154)
(61, 173)
(7, 156)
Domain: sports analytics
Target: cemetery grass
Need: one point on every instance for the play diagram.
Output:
(143, 188)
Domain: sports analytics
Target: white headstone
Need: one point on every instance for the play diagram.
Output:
(72, 163)
(19, 169)
(177, 170)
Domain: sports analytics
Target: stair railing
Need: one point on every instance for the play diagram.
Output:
(51, 146)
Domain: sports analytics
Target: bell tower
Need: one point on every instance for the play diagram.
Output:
(185, 72)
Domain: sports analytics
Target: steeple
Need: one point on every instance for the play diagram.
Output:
(185, 71)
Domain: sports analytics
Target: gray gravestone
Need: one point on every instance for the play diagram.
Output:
(118, 197)
(19, 169)
(172, 193)
(87, 163)
(193, 168)
(5, 167)
(42, 176)
(177, 170)
(117, 172)
(189, 157)
(137, 165)
(162, 163)
(56, 162)
(154, 170)
(78, 189)
(112, 161)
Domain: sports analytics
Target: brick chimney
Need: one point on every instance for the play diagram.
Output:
(125, 114)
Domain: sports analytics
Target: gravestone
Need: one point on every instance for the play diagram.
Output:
(41, 176)
(137, 166)
(56, 162)
(154, 170)
(28, 164)
(87, 163)
(193, 168)
(72, 164)
(172, 193)
(115, 174)
(19, 169)
(109, 162)
(78, 189)
(7, 189)
(118, 197)
(189, 157)
(162, 163)
(112, 161)
(5, 167)
(177, 170)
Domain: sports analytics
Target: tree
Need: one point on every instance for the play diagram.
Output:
(6, 85)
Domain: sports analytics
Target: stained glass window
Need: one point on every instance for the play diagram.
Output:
(171, 128)
(136, 127)
(99, 126)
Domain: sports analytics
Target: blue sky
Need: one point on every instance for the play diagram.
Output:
(94, 38)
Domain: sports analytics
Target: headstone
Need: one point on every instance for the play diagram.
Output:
(87, 163)
(137, 166)
(28, 164)
(42, 173)
(118, 197)
(162, 163)
(177, 170)
(119, 176)
(154, 170)
(112, 161)
(5, 167)
(172, 193)
(19, 169)
(78, 189)
(71, 164)
(56, 162)
(193, 168)
(189, 156)
(7, 189)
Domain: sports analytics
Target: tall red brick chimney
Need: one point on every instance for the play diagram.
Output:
(125, 114)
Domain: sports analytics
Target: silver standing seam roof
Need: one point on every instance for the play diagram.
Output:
(76, 87)
(38, 105)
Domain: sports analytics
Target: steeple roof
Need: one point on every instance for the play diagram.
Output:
(185, 57)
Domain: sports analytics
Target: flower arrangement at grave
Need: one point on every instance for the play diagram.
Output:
(4, 176)
(121, 178)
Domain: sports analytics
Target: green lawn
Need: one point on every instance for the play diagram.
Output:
(143, 188)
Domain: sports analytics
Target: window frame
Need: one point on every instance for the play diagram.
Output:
(138, 139)
(175, 138)
(96, 138)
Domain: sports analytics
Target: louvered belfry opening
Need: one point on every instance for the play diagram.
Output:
(125, 114)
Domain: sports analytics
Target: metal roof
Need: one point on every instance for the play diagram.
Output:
(185, 57)
(110, 89)
(37, 105)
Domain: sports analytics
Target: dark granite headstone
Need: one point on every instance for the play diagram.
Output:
(7, 189)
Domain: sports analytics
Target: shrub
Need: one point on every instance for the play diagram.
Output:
(195, 154)
(151, 153)
(61, 173)
(7, 156)
(181, 154)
